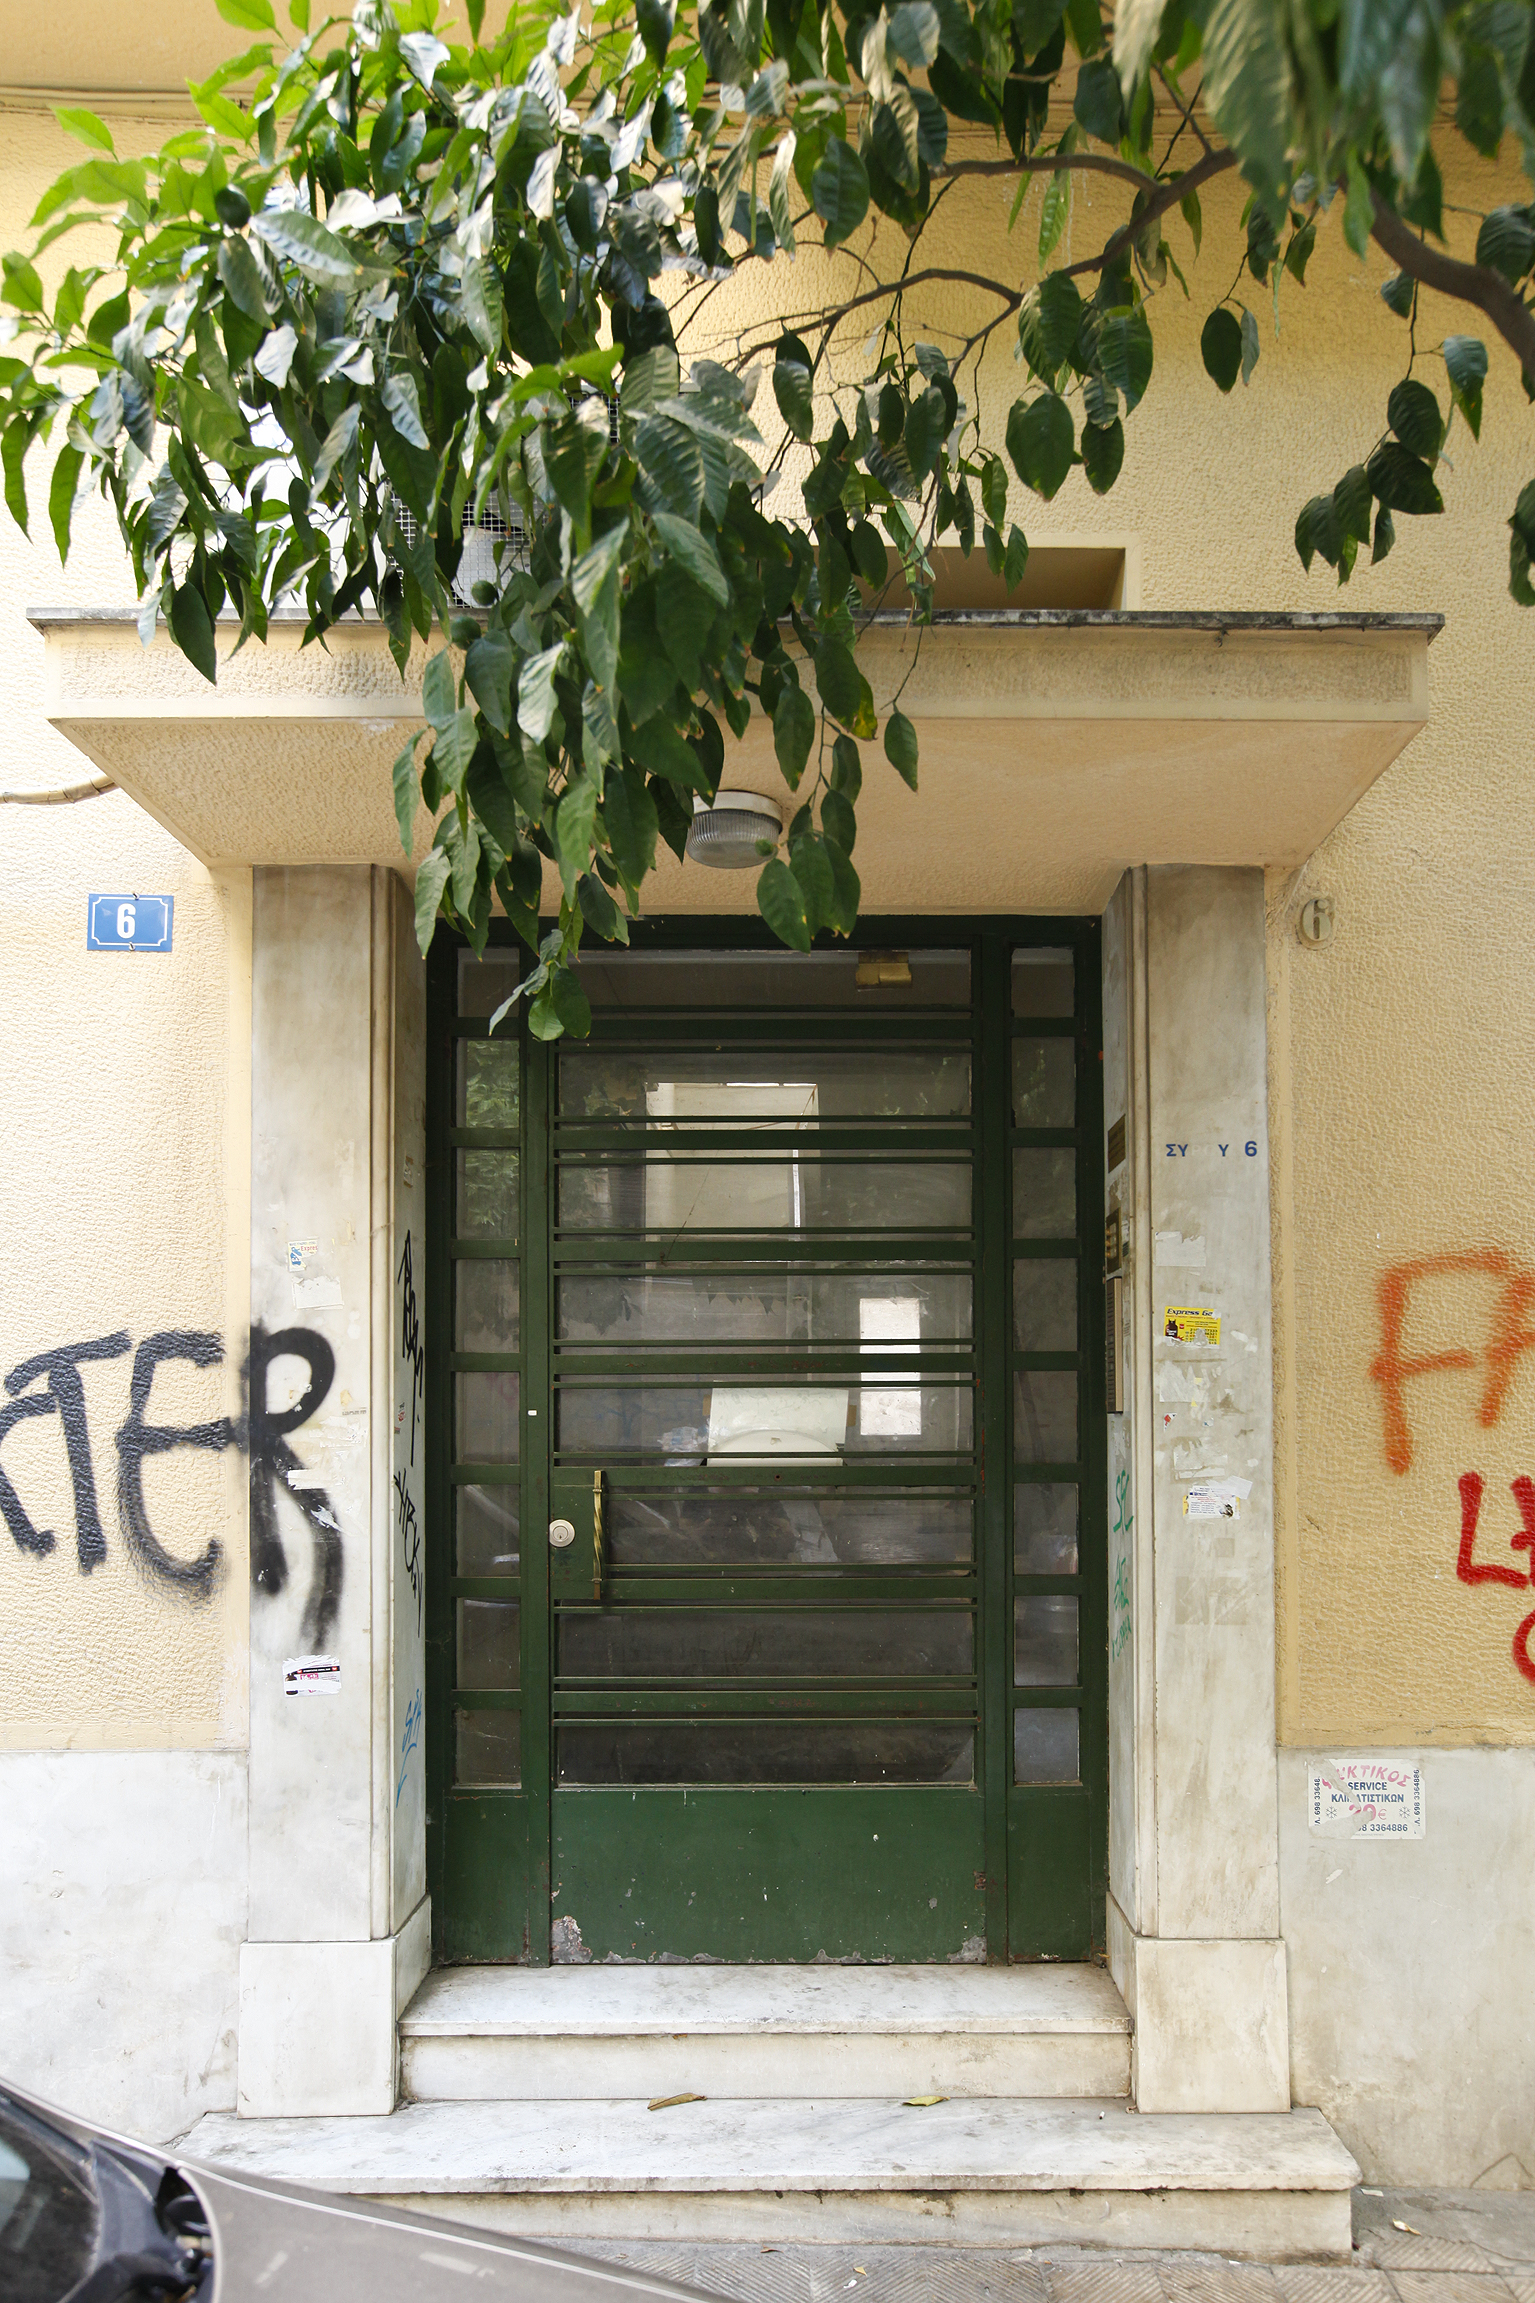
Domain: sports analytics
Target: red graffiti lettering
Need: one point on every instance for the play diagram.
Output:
(1510, 1335)
(1522, 1656)
(1473, 1571)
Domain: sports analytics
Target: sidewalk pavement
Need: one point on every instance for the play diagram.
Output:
(1409, 2247)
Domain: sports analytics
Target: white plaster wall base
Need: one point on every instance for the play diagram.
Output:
(1211, 2020)
(318, 2035)
(120, 1926)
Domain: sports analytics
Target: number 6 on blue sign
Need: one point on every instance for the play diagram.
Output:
(134, 923)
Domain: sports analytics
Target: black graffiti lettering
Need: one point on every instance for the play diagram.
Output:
(198, 1578)
(17, 1517)
(67, 1393)
(412, 1342)
(410, 1538)
(271, 1460)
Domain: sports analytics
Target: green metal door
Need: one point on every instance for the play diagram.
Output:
(766, 1606)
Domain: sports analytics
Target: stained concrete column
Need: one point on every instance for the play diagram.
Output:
(339, 1927)
(1193, 1912)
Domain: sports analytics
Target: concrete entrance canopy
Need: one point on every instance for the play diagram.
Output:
(1136, 738)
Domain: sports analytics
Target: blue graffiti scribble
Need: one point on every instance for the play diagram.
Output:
(410, 1741)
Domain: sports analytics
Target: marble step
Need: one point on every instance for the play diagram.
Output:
(976, 2172)
(481, 2034)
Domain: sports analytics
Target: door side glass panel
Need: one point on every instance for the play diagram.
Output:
(487, 1520)
(489, 1083)
(1044, 1416)
(1047, 1746)
(1044, 1084)
(488, 1749)
(489, 1643)
(1045, 1528)
(1044, 982)
(488, 1418)
(486, 1301)
(1044, 1304)
(488, 1200)
(1045, 1640)
(1045, 1193)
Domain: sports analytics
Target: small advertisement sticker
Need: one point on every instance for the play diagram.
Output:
(311, 1675)
(1190, 1323)
(1365, 1799)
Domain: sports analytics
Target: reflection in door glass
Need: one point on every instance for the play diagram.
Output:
(764, 1643)
(487, 1195)
(1045, 1528)
(756, 1423)
(1046, 1746)
(723, 1195)
(485, 1304)
(1044, 1084)
(794, 980)
(1043, 983)
(790, 1751)
(489, 1418)
(745, 1526)
(1045, 1193)
(1044, 1416)
(484, 984)
(489, 1083)
(487, 1529)
(1044, 1304)
(489, 1749)
(489, 1643)
(800, 1305)
(1045, 1640)
(750, 1090)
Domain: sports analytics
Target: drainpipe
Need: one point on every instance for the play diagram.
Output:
(86, 791)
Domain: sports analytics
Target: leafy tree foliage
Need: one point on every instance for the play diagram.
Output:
(385, 334)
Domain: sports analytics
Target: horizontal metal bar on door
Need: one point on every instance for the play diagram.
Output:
(623, 1250)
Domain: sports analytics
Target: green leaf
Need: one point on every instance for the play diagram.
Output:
(1039, 440)
(696, 554)
(453, 748)
(839, 191)
(1251, 345)
(22, 286)
(338, 443)
(599, 911)
(838, 820)
(192, 629)
(406, 791)
(1193, 216)
(842, 687)
(927, 423)
(1352, 503)
(1506, 243)
(573, 821)
(1298, 254)
(1015, 559)
(1103, 452)
(1048, 321)
(994, 490)
(1220, 347)
(439, 689)
(1413, 414)
(1398, 293)
(792, 389)
(86, 126)
(901, 747)
(1465, 362)
(1136, 24)
(793, 733)
(241, 275)
(629, 815)
(430, 882)
(1124, 353)
(1358, 208)
(811, 866)
(571, 1007)
(1385, 535)
(1098, 106)
(782, 904)
(1054, 213)
(1247, 86)
(1305, 530)
(535, 692)
(302, 240)
(61, 496)
(248, 15)
(17, 441)
(658, 747)
(1402, 481)
(488, 669)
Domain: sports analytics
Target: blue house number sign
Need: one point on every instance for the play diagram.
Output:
(128, 923)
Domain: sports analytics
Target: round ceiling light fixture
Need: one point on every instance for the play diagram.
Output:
(729, 836)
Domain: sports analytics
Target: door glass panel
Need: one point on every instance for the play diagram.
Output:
(486, 1300)
(1047, 1746)
(1045, 1193)
(489, 1426)
(484, 984)
(1045, 1528)
(1044, 983)
(761, 1423)
(489, 1647)
(1044, 1416)
(747, 1526)
(758, 1643)
(489, 1748)
(789, 1751)
(487, 1195)
(794, 1090)
(768, 1307)
(1045, 1640)
(487, 1530)
(1044, 1304)
(489, 1083)
(677, 1195)
(693, 979)
(1044, 1084)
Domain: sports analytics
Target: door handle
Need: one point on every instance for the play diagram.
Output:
(597, 1538)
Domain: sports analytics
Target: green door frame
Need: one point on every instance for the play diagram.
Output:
(488, 1850)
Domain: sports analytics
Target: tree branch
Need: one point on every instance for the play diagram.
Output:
(1466, 283)
(1167, 196)
(1011, 299)
(1054, 164)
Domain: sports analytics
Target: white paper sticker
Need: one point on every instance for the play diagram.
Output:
(1209, 1503)
(311, 1675)
(1366, 1799)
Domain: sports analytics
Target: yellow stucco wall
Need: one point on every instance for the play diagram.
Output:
(126, 1128)
(1400, 1055)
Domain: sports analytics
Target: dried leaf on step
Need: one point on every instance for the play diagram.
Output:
(1398, 2225)
(921, 2102)
(665, 2102)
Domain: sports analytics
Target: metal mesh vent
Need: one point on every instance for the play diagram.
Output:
(481, 537)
